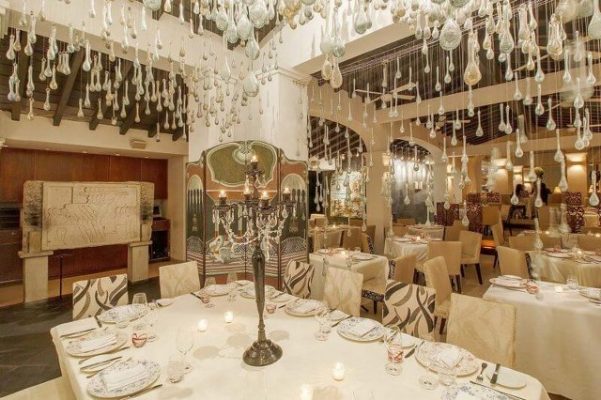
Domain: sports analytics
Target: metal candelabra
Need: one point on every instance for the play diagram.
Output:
(264, 220)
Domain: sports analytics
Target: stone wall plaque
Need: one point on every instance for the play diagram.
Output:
(77, 214)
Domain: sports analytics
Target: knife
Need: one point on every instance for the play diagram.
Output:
(100, 362)
(338, 322)
(97, 321)
(495, 375)
(513, 396)
(195, 295)
(410, 353)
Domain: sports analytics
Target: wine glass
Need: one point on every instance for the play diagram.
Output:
(140, 299)
(184, 341)
(322, 317)
(210, 281)
(572, 282)
(394, 346)
(428, 380)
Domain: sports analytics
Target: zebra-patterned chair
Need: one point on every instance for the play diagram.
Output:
(298, 278)
(92, 297)
(411, 308)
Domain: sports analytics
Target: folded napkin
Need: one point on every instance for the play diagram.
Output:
(307, 306)
(362, 328)
(449, 357)
(510, 282)
(119, 378)
(466, 396)
(97, 343)
(81, 325)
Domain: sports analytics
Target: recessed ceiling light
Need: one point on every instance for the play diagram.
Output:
(117, 154)
(84, 152)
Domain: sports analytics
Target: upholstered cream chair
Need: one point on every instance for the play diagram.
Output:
(342, 290)
(318, 240)
(403, 268)
(333, 239)
(353, 240)
(485, 328)
(498, 237)
(451, 233)
(92, 297)
(490, 215)
(54, 389)
(367, 246)
(471, 244)
(437, 278)
(522, 242)
(512, 262)
(405, 221)
(451, 251)
(400, 230)
(550, 241)
(411, 308)
(589, 242)
(178, 279)
(298, 278)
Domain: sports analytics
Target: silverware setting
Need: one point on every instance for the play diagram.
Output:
(510, 395)
(108, 352)
(142, 392)
(495, 375)
(195, 295)
(96, 364)
(480, 377)
(76, 334)
(339, 321)
(110, 364)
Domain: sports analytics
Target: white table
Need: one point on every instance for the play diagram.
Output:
(376, 268)
(557, 340)
(219, 374)
(396, 247)
(434, 231)
(554, 269)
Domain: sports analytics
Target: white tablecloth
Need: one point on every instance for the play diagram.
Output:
(394, 248)
(555, 269)
(376, 268)
(434, 231)
(219, 374)
(557, 340)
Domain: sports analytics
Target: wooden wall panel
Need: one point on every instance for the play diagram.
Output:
(122, 169)
(92, 168)
(155, 171)
(16, 167)
(53, 166)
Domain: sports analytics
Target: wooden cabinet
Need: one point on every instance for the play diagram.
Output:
(155, 171)
(123, 169)
(10, 264)
(16, 167)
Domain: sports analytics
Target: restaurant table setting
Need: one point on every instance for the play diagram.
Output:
(557, 265)
(401, 246)
(432, 231)
(557, 333)
(327, 355)
(370, 265)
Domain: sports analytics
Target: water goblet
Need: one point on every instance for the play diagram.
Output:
(176, 368)
(572, 282)
(184, 341)
(322, 319)
(428, 380)
(394, 349)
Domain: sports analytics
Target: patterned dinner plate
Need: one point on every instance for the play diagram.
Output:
(73, 348)
(362, 256)
(509, 283)
(468, 390)
(428, 352)
(345, 330)
(248, 292)
(294, 308)
(590, 293)
(556, 254)
(129, 311)
(97, 387)
(217, 290)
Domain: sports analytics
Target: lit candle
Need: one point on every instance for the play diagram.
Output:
(228, 317)
(286, 193)
(254, 159)
(203, 324)
(338, 371)
(265, 195)
(306, 392)
(222, 194)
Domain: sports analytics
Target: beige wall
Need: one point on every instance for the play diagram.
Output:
(176, 206)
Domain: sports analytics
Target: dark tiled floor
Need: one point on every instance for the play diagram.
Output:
(27, 355)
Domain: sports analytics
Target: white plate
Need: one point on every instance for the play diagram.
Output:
(590, 293)
(97, 388)
(98, 363)
(472, 391)
(217, 290)
(429, 350)
(73, 347)
(558, 255)
(279, 297)
(511, 277)
(345, 326)
(291, 308)
(164, 302)
(362, 256)
(507, 377)
(248, 292)
(131, 311)
(508, 283)
(337, 315)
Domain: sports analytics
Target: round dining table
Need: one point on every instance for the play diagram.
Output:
(432, 231)
(558, 266)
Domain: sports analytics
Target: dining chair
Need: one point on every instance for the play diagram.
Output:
(451, 251)
(333, 239)
(550, 241)
(451, 233)
(351, 238)
(484, 328)
(402, 269)
(298, 279)
(405, 221)
(512, 262)
(544, 217)
(437, 278)
(318, 240)
(342, 290)
(471, 244)
(367, 246)
(589, 242)
(93, 296)
(178, 279)
(498, 236)
(400, 230)
(54, 389)
(522, 242)
(411, 308)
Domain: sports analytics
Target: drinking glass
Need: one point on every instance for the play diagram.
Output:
(572, 282)
(428, 380)
(210, 281)
(357, 249)
(322, 317)
(176, 368)
(184, 341)
(140, 298)
(394, 348)
(232, 277)
(447, 375)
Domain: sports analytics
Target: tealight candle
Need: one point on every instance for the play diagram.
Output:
(558, 289)
(228, 317)
(338, 371)
(222, 194)
(265, 195)
(202, 325)
(306, 392)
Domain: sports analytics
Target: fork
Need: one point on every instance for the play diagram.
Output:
(480, 378)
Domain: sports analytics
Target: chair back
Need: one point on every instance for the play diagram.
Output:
(367, 245)
(452, 232)
(318, 240)
(490, 215)
(505, 211)
(400, 230)
(351, 238)
(178, 279)
(410, 307)
(333, 239)
(371, 231)
(437, 278)
(403, 268)
(498, 234)
(355, 222)
(450, 251)
(512, 262)
(93, 296)
(589, 242)
(484, 328)
(320, 221)
(342, 290)
(405, 221)
(522, 242)
(471, 244)
(298, 279)
(550, 241)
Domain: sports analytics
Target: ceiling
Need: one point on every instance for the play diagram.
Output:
(338, 141)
